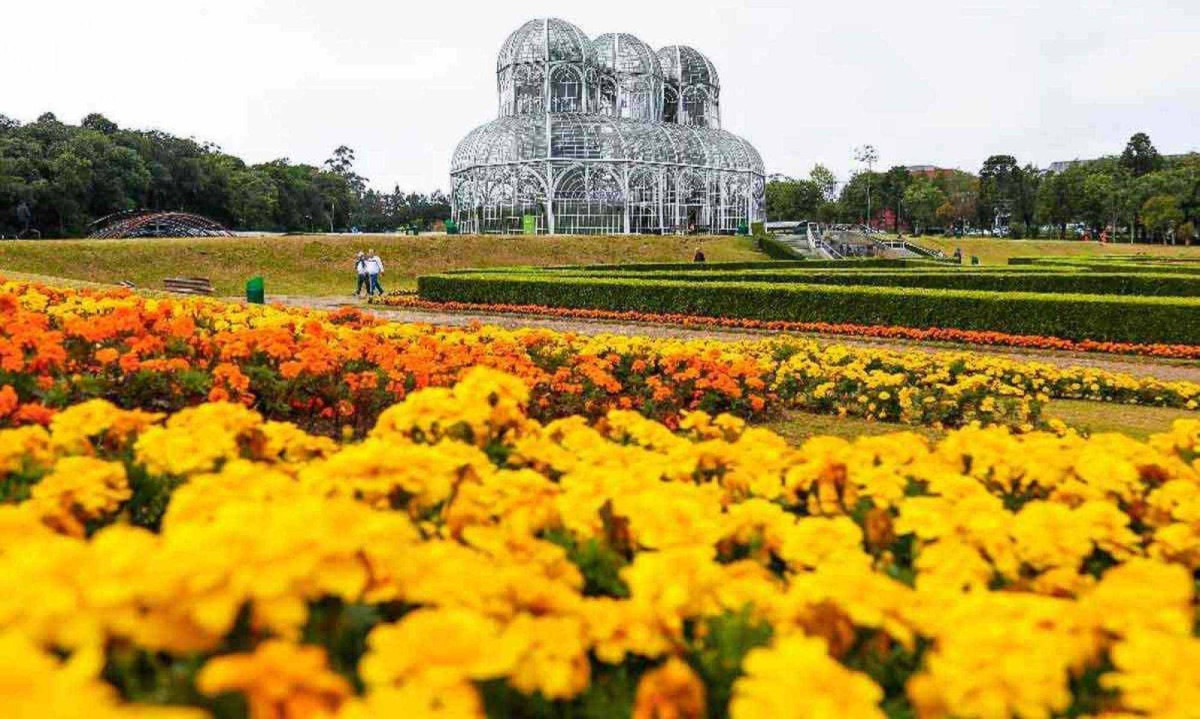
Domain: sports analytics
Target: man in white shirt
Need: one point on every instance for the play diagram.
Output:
(374, 270)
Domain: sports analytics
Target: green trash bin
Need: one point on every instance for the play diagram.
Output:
(974, 260)
(255, 291)
(743, 228)
(451, 227)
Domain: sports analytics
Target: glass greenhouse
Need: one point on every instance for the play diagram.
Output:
(604, 136)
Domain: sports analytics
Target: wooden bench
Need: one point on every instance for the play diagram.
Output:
(189, 285)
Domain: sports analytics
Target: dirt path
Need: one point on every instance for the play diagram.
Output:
(1174, 370)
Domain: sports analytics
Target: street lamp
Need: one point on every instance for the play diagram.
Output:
(867, 154)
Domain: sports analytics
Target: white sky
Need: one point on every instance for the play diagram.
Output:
(940, 82)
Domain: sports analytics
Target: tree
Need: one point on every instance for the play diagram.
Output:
(789, 199)
(962, 193)
(853, 199)
(1161, 215)
(68, 175)
(99, 123)
(922, 199)
(891, 191)
(825, 180)
(998, 181)
(1140, 157)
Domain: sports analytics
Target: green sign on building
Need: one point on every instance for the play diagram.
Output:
(529, 224)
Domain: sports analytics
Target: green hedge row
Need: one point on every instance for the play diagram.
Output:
(778, 250)
(1127, 319)
(1086, 283)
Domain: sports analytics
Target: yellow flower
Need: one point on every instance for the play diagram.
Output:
(79, 490)
(280, 680)
(796, 677)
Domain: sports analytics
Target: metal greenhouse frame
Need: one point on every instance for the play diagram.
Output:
(604, 136)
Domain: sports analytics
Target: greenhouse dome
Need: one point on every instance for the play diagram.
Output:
(603, 136)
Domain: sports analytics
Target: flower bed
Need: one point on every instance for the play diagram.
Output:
(328, 372)
(1169, 351)
(466, 558)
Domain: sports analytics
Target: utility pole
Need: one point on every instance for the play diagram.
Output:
(869, 155)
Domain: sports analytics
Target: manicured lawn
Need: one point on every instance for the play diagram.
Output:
(1091, 417)
(323, 264)
(1095, 417)
(996, 251)
(796, 426)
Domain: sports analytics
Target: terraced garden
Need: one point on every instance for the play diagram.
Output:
(1127, 301)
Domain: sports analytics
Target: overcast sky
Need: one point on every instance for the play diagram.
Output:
(926, 81)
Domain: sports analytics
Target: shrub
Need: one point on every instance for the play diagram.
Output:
(1071, 316)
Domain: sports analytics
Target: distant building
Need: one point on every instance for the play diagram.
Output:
(1064, 165)
(930, 171)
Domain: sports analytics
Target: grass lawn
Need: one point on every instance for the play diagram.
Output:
(1092, 417)
(323, 264)
(996, 251)
(796, 426)
(1095, 417)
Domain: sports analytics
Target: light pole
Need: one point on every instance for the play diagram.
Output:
(867, 154)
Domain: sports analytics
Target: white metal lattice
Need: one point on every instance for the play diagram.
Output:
(604, 135)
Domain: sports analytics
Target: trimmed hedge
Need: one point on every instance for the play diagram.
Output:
(1125, 319)
(1142, 284)
(775, 249)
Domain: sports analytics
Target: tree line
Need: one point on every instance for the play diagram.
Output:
(1137, 195)
(56, 179)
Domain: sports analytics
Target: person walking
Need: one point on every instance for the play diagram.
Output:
(360, 269)
(374, 270)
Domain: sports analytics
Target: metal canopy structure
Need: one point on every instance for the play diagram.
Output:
(604, 136)
(144, 223)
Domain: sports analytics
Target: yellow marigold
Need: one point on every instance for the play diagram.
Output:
(554, 655)
(443, 647)
(287, 443)
(35, 684)
(1000, 654)
(24, 447)
(796, 677)
(387, 474)
(77, 491)
(416, 700)
(676, 584)
(199, 439)
(280, 680)
(486, 402)
(671, 691)
(1143, 594)
(74, 429)
(1156, 674)
(814, 541)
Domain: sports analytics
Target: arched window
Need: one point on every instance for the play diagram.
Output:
(607, 104)
(566, 90)
(670, 104)
(528, 88)
(695, 107)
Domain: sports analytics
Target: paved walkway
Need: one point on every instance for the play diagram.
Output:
(1137, 366)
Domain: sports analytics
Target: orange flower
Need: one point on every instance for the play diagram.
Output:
(672, 691)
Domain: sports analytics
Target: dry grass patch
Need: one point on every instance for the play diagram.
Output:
(996, 251)
(323, 264)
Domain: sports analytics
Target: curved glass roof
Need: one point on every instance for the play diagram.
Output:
(596, 137)
(528, 43)
(623, 53)
(687, 66)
